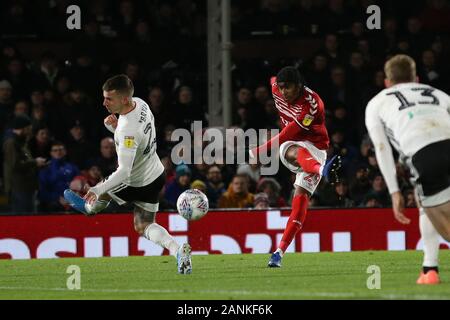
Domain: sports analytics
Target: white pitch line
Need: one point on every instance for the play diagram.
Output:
(389, 296)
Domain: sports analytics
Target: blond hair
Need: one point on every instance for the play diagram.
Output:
(400, 68)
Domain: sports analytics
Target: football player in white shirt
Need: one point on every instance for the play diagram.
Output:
(140, 175)
(415, 119)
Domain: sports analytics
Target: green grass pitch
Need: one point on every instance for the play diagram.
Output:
(303, 276)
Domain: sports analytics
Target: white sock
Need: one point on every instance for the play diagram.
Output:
(157, 234)
(98, 206)
(280, 252)
(430, 238)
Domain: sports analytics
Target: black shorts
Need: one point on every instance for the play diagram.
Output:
(148, 194)
(430, 167)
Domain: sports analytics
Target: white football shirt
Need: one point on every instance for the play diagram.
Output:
(135, 138)
(412, 116)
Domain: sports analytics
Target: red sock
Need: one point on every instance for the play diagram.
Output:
(296, 220)
(307, 162)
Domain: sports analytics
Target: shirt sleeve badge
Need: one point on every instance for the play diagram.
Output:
(129, 142)
(307, 120)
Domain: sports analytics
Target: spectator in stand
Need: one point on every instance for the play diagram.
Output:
(340, 121)
(78, 146)
(370, 201)
(181, 183)
(168, 168)
(126, 19)
(87, 179)
(253, 172)
(186, 109)
(134, 71)
(374, 87)
(410, 199)
(6, 102)
(429, 72)
(237, 195)
(341, 147)
(41, 142)
(373, 163)
(331, 50)
(357, 31)
(273, 120)
(107, 161)
(339, 90)
(37, 98)
(416, 36)
(19, 77)
(272, 189)
(379, 191)
(48, 71)
(358, 73)
(214, 185)
(244, 108)
(261, 201)
(165, 143)
(318, 76)
(340, 197)
(258, 116)
(75, 107)
(159, 108)
(336, 17)
(20, 167)
(62, 86)
(55, 178)
(199, 170)
(388, 40)
(21, 108)
(84, 73)
(39, 117)
(360, 185)
(17, 20)
(309, 18)
(262, 94)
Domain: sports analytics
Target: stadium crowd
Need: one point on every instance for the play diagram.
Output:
(51, 114)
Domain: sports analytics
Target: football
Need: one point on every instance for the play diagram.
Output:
(192, 204)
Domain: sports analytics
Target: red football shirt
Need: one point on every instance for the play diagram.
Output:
(307, 111)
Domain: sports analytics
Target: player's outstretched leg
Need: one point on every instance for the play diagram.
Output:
(159, 235)
(145, 225)
(293, 226)
(79, 204)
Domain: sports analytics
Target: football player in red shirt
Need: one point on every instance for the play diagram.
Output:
(303, 143)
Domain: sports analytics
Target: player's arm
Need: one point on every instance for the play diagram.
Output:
(383, 149)
(384, 156)
(385, 159)
(126, 152)
(290, 132)
(110, 122)
(294, 129)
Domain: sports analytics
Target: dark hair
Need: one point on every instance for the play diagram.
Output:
(57, 143)
(121, 83)
(290, 75)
